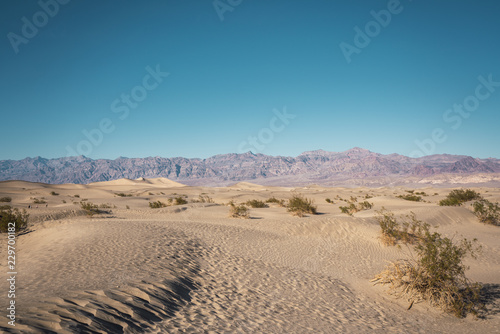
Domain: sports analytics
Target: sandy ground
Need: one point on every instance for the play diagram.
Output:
(191, 269)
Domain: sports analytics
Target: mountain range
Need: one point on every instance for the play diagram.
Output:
(354, 167)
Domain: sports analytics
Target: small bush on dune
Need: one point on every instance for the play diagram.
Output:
(157, 205)
(204, 199)
(299, 205)
(408, 231)
(410, 197)
(280, 202)
(9, 215)
(353, 208)
(53, 193)
(6, 199)
(122, 195)
(255, 203)
(238, 211)
(437, 274)
(39, 201)
(459, 196)
(91, 208)
(179, 201)
(487, 212)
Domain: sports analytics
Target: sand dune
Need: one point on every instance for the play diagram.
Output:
(190, 268)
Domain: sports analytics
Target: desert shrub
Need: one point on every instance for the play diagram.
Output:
(365, 205)
(6, 199)
(409, 231)
(353, 208)
(437, 274)
(354, 199)
(368, 196)
(350, 210)
(127, 207)
(327, 200)
(53, 193)
(299, 205)
(410, 191)
(459, 196)
(280, 202)
(422, 193)
(238, 211)
(124, 195)
(5, 207)
(255, 203)
(205, 199)
(38, 201)
(487, 212)
(9, 215)
(410, 197)
(157, 205)
(179, 201)
(77, 196)
(91, 208)
(64, 201)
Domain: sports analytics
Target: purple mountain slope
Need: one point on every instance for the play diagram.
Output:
(355, 166)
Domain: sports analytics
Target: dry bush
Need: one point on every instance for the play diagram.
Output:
(179, 201)
(437, 274)
(459, 196)
(353, 208)
(298, 205)
(487, 212)
(408, 231)
(6, 199)
(91, 208)
(280, 202)
(9, 215)
(255, 203)
(157, 205)
(410, 197)
(238, 211)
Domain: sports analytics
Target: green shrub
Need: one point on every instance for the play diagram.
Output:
(327, 200)
(280, 202)
(9, 215)
(124, 195)
(38, 201)
(299, 205)
(437, 274)
(77, 196)
(91, 208)
(203, 199)
(408, 231)
(6, 199)
(353, 208)
(53, 193)
(238, 211)
(487, 212)
(179, 201)
(157, 205)
(459, 196)
(127, 207)
(255, 203)
(410, 197)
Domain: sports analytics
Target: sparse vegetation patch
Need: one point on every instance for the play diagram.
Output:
(487, 212)
(437, 274)
(459, 196)
(255, 203)
(298, 205)
(9, 215)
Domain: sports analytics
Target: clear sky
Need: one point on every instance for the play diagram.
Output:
(198, 78)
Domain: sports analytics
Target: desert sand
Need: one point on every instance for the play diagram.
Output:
(192, 269)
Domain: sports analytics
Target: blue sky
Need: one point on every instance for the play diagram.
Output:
(236, 67)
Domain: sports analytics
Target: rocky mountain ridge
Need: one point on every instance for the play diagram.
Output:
(356, 166)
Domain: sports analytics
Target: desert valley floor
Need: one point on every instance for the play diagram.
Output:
(191, 269)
